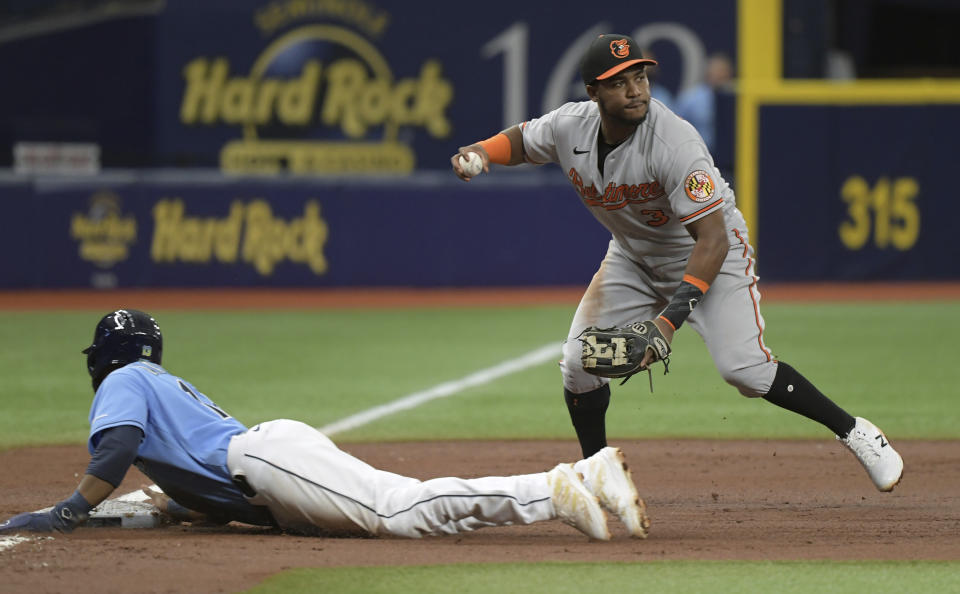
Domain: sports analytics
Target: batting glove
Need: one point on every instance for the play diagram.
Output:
(63, 517)
(28, 522)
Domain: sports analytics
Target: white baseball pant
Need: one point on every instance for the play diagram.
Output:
(727, 318)
(310, 485)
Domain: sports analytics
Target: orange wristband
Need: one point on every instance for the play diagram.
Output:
(498, 148)
(660, 317)
(696, 282)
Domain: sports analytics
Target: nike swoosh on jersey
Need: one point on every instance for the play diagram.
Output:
(100, 417)
(576, 152)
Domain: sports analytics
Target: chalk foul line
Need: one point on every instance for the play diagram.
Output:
(484, 376)
(8, 542)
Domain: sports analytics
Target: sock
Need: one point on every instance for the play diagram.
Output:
(792, 391)
(588, 412)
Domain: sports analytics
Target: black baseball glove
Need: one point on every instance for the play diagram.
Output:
(618, 352)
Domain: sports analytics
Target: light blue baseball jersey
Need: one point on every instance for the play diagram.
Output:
(185, 437)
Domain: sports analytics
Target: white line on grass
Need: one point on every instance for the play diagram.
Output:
(484, 376)
(478, 378)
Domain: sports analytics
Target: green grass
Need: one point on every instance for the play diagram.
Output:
(893, 363)
(676, 577)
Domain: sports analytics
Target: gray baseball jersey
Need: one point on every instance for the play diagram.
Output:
(655, 182)
(659, 179)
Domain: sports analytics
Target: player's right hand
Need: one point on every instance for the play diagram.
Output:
(168, 506)
(157, 498)
(463, 152)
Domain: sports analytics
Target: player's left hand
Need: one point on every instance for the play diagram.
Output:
(29, 522)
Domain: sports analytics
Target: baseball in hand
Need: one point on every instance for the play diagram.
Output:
(473, 165)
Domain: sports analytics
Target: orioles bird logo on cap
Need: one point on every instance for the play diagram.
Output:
(620, 48)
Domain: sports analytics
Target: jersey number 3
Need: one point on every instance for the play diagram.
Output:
(657, 217)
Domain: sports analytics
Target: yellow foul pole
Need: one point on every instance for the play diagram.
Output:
(759, 66)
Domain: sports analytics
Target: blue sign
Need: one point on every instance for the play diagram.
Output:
(266, 86)
(857, 193)
(423, 231)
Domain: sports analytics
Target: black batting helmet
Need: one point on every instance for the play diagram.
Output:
(122, 337)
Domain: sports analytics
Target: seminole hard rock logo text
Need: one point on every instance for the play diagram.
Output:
(249, 233)
(335, 115)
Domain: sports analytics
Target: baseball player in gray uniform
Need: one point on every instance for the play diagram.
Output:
(679, 252)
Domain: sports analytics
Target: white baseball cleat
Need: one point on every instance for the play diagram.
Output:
(576, 505)
(870, 446)
(607, 476)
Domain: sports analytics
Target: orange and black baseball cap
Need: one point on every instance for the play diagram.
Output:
(609, 54)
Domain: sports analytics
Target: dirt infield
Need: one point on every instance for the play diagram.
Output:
(750, 500)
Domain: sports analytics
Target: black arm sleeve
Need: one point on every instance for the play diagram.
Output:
(116, 451)
(684, 300)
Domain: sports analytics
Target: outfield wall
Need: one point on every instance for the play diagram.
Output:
(838, 180)
(857, 192)
(832, 209)
(148, 230)
(841, 179)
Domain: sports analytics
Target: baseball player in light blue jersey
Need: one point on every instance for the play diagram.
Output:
(286, 474)
(679, 249)
(185, 438)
